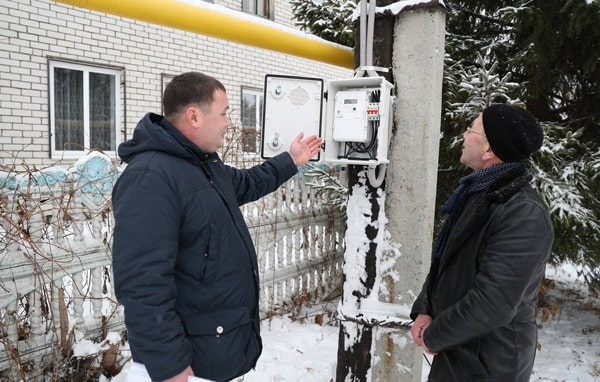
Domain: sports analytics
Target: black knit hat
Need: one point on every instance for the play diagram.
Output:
(513, 133)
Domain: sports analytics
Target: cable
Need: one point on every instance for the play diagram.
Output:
(376, 180)
(363, 32)
(370, 33)
(426, 359)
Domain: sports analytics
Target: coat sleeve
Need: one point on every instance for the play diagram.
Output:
(144, 252)
(253, 183)
(421, 304)
(511, 267)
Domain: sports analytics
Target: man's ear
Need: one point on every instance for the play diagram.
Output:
(193, 116)
(488, 153)
(489, 156)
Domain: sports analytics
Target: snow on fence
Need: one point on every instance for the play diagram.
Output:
(55, 276)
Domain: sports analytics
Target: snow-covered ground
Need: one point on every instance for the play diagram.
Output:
(570, 341)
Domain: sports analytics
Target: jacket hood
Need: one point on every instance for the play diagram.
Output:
(155, 133)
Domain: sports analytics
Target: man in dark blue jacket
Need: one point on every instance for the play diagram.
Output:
(476, 311)
(184, 264)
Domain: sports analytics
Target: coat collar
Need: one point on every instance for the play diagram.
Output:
(479, 208)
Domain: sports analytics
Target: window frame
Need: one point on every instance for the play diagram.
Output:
(86, 68)
(251, 7)
(257, 129)
(165, 78)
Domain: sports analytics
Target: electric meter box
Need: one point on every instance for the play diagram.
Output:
(353, 116)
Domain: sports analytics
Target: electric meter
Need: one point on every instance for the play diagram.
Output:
(350, 116)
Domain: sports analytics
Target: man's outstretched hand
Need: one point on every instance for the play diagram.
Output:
(301, 150)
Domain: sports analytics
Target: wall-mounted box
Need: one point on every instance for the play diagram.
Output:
(354, 117)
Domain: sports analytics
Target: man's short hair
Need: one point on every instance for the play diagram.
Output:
(187, 89)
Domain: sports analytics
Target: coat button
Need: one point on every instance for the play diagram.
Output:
(219, 329)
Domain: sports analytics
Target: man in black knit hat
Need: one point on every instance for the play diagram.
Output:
(476, 311)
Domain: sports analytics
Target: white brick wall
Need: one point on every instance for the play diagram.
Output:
(34, 31)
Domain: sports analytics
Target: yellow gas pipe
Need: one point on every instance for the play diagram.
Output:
(205, 21)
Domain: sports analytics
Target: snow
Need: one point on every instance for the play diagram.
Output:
(301, 350)
(396, 7)
(570, 342)
(297, 352)
(83, 347)
(357, 246)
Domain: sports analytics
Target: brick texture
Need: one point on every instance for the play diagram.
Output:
(33, 32)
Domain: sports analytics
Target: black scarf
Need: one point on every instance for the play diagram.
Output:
(469, 185)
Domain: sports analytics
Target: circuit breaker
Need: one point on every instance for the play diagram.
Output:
(353, 116)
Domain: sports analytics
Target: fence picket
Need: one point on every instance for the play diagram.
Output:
(56, 227)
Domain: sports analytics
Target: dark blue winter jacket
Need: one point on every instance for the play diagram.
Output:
(184, 264)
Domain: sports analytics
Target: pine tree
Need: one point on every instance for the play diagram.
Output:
(467, 91)
(551, 48)
(330, 20)
(569, 182)
(539, 54)
(566, 179)
(561, 65)
(326, 182)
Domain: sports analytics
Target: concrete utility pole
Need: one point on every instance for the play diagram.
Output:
(372, 345)
(418, 65)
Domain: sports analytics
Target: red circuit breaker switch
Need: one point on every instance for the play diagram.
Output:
(373, 111)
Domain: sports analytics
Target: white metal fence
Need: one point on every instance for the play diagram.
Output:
(55, 277)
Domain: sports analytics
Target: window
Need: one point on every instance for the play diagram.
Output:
(251, 119)
(257, 7)
(164, 80)
(84, 109)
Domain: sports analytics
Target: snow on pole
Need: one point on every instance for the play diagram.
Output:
(386, 255)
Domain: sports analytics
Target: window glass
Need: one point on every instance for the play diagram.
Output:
(251, 119)
(102, 111)
(68, 109)
(262, 8)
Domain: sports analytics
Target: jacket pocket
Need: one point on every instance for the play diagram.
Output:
(211, 255)
(199, 253)
(225, 343)
(217, 323)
